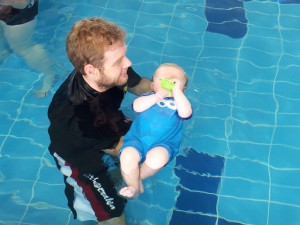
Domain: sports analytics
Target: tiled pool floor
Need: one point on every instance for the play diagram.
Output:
(240, 154)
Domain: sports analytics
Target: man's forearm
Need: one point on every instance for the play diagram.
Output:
(142, 87)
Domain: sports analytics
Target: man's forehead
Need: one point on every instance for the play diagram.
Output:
(116, 50)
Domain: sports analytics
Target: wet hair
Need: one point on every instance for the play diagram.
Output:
(89, 39)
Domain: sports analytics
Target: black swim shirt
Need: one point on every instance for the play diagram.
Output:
(83, 122)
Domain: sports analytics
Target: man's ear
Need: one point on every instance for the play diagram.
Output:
(89, 69)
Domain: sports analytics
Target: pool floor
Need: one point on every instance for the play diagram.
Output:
(239, 159)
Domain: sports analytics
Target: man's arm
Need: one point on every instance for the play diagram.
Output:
(116, 150)
(17, 4)
(143, 86)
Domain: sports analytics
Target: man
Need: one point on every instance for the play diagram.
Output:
(86, 121)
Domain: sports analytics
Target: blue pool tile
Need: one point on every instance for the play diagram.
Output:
(287, 136)
(177, 50)
(288, 107)
(8, 112)
(222, 221)
(245, 188)
(196, 201)
(254, 117)
(259, 101)
(291, 193)
(216, 123)
(284, 214)
(244, 211)
(290, 35)
(290, 120)
(122, 5)
(55, 197)
(265, 75)
(195, 25)
(292, 156)
(201, 163)
(246, 132)
(288, 177)
(226, 17)
(250, 151)
(9, 92)
(179, 218)
(22, 168)
(215, 145)
(256, 7)
(248, 169)
(290, 60)
(12, 147)
(286, 89)
(10, 209)
(193, 181)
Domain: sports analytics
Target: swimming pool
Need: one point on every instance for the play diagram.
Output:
(240, 154)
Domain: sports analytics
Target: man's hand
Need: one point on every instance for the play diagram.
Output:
(116, 150)
(119, 145)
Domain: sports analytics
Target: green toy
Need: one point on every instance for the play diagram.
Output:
(167, 85)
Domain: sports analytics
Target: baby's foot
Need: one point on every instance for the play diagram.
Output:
(129, 192)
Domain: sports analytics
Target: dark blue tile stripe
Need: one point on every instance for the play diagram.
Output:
(199, 175)
(289, 1)
(226, 17)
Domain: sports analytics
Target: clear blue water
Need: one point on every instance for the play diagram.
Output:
(240, 158)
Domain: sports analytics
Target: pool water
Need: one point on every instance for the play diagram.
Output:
(240, 156)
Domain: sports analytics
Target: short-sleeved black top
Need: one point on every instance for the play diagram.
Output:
(12, 16)
(83, 122)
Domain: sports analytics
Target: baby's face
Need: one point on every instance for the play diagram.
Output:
(170, 73)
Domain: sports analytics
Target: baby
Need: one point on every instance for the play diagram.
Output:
(155, 135)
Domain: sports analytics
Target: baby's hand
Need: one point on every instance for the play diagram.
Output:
(161, 94)
(178, 85)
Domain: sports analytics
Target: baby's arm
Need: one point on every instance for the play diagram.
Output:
(183, 105)
(145, 102)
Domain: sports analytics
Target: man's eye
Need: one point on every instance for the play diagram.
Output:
(119, 61)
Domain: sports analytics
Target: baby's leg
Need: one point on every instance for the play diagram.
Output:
(156, 158)
(129, 160)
